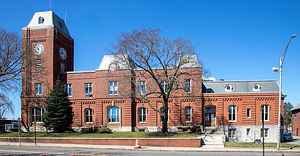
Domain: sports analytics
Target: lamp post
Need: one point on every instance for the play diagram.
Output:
(280, 81)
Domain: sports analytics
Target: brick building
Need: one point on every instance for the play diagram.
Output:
(296, 120)
(99, 99)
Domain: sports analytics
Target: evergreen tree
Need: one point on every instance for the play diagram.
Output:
(59, 113)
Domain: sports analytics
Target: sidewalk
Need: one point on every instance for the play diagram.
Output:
(152, 148)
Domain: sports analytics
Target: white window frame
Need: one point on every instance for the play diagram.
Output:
(110, 115)
(34, 114)
(68, 88)
(113, 88)
(231, 133)
(262, 114)
(248, 113)
(164, 85)
(232, 113)
(142, 113)
(142, 87)
(88, 89)
(38, 89)
(88, 115)
(188, 113)
(188, 85)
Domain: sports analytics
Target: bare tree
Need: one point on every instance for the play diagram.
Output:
(5, 105)
(161, 62)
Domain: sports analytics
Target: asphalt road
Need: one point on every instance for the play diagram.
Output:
(46, 151)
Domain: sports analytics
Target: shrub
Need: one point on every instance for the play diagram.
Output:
(104, 130)
(86, 130)
(14, 129)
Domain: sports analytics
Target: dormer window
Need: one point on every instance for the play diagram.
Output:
(256, 87)
(41, 20)
(228, 88)
(60, 25)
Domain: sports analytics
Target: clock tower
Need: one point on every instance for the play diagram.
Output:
(48, 49)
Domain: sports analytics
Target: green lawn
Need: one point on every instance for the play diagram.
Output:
(267, 145)
(98, 135)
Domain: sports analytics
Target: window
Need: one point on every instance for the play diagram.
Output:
(41, 20)
(88, 89)
(265, 112)
(142, 87)
(188, 86)
(188, 114)
(164, 85)
(142, 115)
(295, 114)
(266, 132)
(37, 114)
(256, 87)
(69, 89)
(248, 113)
(88, 115)
(113, 88)
(38, 89)
(161, 111)
(232, 113)
(62, 67)
(248, 131)
(38, 66)
(228, 88)
(232, 133)
(113, 114)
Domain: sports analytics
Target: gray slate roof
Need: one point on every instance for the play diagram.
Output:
(296, 107)
(219, 87)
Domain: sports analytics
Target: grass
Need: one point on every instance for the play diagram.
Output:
(253, 145)
(98, 135)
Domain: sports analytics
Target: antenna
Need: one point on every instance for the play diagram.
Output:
(50, 5)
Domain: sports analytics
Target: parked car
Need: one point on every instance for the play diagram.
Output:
(257, 141)
(287, 137)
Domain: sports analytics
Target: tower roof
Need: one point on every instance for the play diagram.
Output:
(47, 19)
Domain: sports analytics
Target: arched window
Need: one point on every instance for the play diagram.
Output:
(142, 115)
(228, 88)
(88, 115)
(188, 114)
(41, 20)
(113, 114)
(232, 113)
(256, 87)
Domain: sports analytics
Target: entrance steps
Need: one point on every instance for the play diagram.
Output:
(212, 139)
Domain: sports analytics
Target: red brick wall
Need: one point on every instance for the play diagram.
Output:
(191, 142)
(296, 122)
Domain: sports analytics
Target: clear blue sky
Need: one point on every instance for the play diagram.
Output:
(237, 39)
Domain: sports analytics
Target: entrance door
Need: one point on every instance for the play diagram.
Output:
(210, 116)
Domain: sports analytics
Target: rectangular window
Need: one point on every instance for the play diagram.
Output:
(69, 89)
(295, 114)
(113, 88)
(188, 114)
(142, 115)
(142, 87)
(248, 131)
(88, 115)
(266, 132)
(38, 89)
(232, 133)
(248, 113)
(62, 68)
(232, 113)
(188, 86)
(38, 66)
(265, 112)
(164, 85)
(88, 89)
(37, 114)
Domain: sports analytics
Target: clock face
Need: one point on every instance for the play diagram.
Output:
(113, 67)
(62, 53)
(38, 49)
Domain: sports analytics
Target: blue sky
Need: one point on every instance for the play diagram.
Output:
(237, 39)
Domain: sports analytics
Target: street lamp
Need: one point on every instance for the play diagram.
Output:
(280, 79)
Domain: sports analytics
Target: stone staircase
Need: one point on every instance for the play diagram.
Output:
(212, 139)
